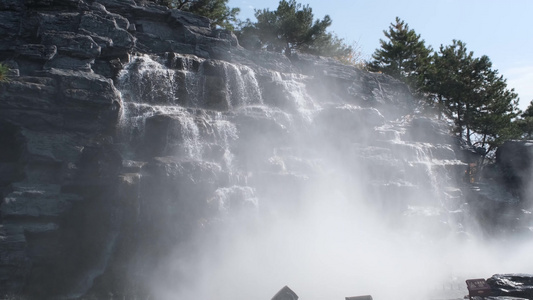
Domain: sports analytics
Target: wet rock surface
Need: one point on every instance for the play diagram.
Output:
(122, 120)
(512, 285)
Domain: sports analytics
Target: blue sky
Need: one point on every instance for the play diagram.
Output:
(502, 30)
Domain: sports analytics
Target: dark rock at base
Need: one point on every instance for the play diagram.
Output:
(15, 265)
(29, 232)
(36, 200)
(15, 5)
(512, 285)
(366, 297)
(9, 27)
(285, 294)
(498, 298)
(514, 160)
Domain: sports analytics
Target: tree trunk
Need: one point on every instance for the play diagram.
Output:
(440, 105)
(182, 3)
(467, 124)
(288, 51)
(459, 121)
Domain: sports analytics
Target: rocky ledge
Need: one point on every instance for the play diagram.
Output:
(61, 173)
(64, 175)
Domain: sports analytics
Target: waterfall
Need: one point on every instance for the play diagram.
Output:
(254, 182)
(229, 198)
(137, 83)
(241, 85)
(294, 94)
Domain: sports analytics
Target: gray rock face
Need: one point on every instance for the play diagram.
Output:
(52, 108)
(71, 44)
(122, 120)
(31, 200)
(514, 159)
(36, 51)
(105, 26)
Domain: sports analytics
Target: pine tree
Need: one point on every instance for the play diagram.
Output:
(473, 95)
(292, 27)
(330, 44)
(216, 10)
(493, 120)
(525, 123)
(403, 55)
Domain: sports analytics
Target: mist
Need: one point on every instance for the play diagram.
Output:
(328, 198)
(333, 247)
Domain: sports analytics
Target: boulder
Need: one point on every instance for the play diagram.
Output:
(512, 285)
(285, 294)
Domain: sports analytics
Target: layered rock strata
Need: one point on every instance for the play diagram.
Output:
(126, 129)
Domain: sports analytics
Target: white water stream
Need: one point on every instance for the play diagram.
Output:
(330, 212)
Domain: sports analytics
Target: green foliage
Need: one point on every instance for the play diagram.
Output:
(292, 27)
(474, 95)
(525, 122)
(328, 43)
(3, 72)
(216, 10)
(464, 88)
(529, 110)
(351, 55)
(403, 55)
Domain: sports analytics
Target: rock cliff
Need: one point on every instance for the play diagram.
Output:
(126, 128)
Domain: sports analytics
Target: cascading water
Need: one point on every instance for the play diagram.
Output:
(295, 96)
(241, 85)
(251, 184)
